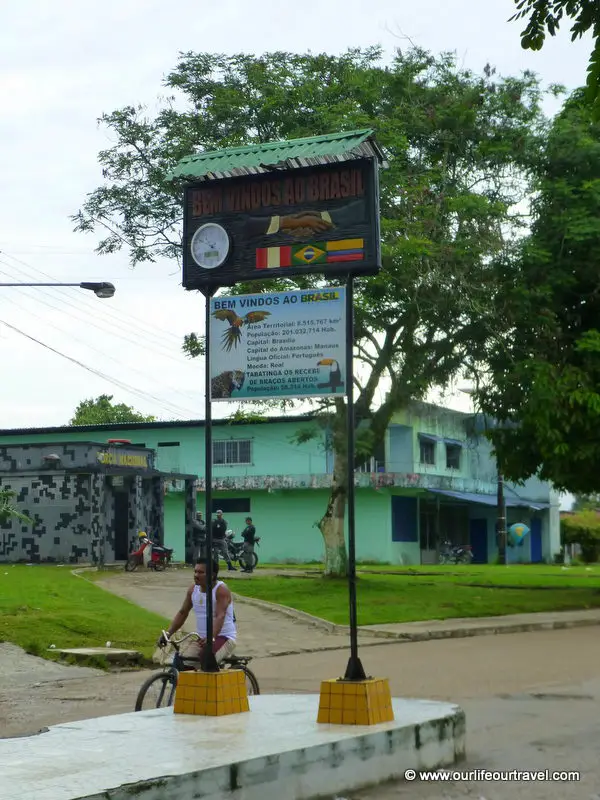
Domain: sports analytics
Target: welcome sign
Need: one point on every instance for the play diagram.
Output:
(322, 219)
(284, 344)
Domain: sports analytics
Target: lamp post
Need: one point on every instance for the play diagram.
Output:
(102, 290)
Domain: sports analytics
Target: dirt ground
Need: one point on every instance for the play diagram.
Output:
(531, 699)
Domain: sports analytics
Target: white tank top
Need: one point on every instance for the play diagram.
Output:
(199, 604)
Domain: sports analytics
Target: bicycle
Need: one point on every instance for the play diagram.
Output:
(165, 681)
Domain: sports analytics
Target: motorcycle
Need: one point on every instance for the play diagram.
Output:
(455, 553)
(159, 557)
(236, 549)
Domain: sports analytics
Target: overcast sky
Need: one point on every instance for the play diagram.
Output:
(64, 63)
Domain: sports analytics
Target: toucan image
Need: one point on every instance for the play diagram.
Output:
(335, 381)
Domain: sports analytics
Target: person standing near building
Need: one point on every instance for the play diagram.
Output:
(219, 532)
(198, 537)
(250, 538)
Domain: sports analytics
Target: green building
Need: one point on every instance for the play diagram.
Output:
(434, 479)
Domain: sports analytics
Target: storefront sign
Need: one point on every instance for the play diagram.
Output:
(285, 344)
(322, 220)
(122, 458)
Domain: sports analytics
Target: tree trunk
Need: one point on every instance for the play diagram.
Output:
(332, 523)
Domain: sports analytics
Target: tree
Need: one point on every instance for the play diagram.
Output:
(546, 15)
(583, 529)
(101, 411)
(459, 147)
(544, 380)
(586, 502)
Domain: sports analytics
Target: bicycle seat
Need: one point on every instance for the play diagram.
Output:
(232, 660)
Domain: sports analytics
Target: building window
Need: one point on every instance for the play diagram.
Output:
(427, 451)
(453, 452)
(235, 451)
(231, 505)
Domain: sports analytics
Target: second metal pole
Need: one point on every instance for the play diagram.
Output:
(354, 670)
(501, 522)
(209, 662)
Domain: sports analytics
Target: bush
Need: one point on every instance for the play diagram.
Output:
(583, 529)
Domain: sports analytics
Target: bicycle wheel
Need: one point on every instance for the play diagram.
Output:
(158, 691)
(251, 683)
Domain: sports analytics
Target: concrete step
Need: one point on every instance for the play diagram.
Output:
(113, 655)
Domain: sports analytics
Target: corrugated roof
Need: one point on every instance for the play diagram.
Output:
(291, 154)
(140, 426)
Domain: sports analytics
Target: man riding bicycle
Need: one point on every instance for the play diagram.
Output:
(224, 626)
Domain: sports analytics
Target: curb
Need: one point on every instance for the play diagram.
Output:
(417, 636)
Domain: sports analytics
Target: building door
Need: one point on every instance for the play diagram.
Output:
(121, 526)
(478, 532)
(428, 531)
(536, 540)
(404, 519)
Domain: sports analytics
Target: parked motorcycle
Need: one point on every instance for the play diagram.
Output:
(236, 549)
(455, 553)
(159, 557)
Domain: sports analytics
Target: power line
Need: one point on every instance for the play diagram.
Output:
(152, 330)
(181, 412)
(133, 339)
(91, 347)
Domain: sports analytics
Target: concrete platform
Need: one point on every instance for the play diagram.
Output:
(276, 752)
(114, 655)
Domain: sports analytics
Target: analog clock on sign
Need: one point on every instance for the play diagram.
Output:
(210, 245)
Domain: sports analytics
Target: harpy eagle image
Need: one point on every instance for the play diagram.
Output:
(233, 334)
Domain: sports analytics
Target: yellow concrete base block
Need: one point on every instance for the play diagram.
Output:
(211, 694)
(367, 702)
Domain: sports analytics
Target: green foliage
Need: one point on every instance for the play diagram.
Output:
(194, 345)
(587, 502)
(546, 15)
(101, 411)
(583, 529)
(544, 383)
(8, 509)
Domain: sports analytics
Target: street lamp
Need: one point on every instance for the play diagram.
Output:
(102, 290)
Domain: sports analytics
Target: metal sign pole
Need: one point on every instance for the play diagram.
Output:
(354, 670)
(501, 522)
(209, 662)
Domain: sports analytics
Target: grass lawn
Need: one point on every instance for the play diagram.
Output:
(435, 592)
(44, 605)
(534, 575)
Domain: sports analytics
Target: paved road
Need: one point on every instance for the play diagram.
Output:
(531, 698)
(260, 632)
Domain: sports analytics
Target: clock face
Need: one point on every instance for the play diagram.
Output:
(210, 245)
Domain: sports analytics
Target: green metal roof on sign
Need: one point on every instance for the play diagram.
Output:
(293, 153)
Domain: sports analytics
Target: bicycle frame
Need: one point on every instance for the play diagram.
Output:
(168, 676)
(180, 662)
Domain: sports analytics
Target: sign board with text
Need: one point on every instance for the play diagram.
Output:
(118, 457)
(275, 345)
(322, 220)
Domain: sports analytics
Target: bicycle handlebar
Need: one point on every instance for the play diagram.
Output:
(177, 642)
